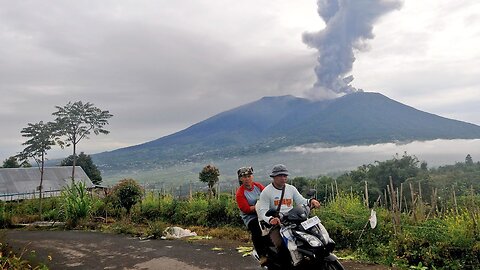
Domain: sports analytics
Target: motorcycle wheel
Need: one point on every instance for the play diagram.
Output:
(333, 265)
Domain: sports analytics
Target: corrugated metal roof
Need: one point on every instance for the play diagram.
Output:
(22, 183)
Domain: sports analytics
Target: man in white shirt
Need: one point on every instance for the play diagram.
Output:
(271, 198)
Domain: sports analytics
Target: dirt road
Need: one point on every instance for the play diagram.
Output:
(94, 250)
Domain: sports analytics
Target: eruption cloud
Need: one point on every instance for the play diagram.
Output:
(349, 24)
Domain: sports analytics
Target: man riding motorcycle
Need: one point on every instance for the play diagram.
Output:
(281, 197)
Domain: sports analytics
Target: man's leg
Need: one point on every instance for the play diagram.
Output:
(257, 238)
(276, 238)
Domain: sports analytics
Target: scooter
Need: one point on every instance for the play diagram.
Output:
(306, 243)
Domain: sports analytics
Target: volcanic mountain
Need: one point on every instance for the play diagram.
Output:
(272, 123)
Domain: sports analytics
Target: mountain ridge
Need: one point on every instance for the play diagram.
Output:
(272, 123)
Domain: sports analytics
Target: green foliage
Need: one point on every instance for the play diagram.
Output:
(77, 203)
(156, 228)
(11, 162)
(125, 227)
(209, 175)
(5, 216)
(42, 137)
(77, 120)
(468, 160)
(126, 194)
(85, 161)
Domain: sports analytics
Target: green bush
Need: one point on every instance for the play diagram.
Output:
(150, 207)
(223, 211)
(126, 194)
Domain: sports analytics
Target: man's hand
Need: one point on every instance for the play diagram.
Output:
(275, 221)
(314, 203)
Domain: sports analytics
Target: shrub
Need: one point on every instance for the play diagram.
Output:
(127, 193)
(150, 207)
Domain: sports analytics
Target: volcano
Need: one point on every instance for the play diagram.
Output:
(273, 123)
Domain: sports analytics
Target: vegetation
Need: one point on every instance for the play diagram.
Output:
(78, 120)
(209, 175)
(42, 137)
(126, 194)
(85, 161)
(11, 260)
(77, 203)
(417, 228)
(11, 162)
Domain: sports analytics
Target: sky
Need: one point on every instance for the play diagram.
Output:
(162, 66)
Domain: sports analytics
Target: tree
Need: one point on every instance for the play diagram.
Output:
(85, 161)
(127, 193)
(42, 137)
(468, 160)
(209, 175)
(78, 120)
(11, 162)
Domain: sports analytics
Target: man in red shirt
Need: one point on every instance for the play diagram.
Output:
(247, 196)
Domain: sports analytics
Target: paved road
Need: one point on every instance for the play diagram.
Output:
(95, 250)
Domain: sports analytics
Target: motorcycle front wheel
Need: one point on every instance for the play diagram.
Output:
(333, 265)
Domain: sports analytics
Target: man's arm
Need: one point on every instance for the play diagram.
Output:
(297, 197)
(242, 202)
(300, 200)
(263, 205)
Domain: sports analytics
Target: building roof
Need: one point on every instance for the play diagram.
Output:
(22, 183)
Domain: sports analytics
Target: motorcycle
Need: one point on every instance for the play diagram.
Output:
(306, 243)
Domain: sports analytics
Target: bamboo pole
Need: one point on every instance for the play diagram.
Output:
(333, 192)
(366, 195)
(395, 215)
(455, 200)
(401, 196)
(412, 194)
(336, 187)
(385, 196)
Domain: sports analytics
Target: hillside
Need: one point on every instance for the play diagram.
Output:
(272, 123)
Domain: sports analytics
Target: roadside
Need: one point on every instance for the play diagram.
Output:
(95, 250)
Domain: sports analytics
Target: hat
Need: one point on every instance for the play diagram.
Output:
(279, 169)
(244, 171)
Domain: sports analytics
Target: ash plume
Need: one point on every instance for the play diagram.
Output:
(349, 25)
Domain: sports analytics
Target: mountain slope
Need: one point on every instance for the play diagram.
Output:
(275, 122)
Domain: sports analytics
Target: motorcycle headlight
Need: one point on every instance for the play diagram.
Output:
(311, 240)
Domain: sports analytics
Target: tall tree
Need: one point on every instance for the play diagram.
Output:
(209, 175)
(11, 162)
(42, 137)
(85, 161)
(78, 120)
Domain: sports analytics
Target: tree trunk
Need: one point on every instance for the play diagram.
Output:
(74, 161)
(41, 183)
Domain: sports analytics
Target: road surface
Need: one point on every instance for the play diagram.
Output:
(95, 250)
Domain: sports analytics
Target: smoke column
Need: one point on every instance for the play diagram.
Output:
(349, 24)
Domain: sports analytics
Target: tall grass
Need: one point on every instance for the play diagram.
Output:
(77, 203)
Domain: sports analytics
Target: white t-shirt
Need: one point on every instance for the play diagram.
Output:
(270, 198)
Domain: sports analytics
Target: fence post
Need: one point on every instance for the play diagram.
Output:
(395, 214)
(455, 200)
(366, 195)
